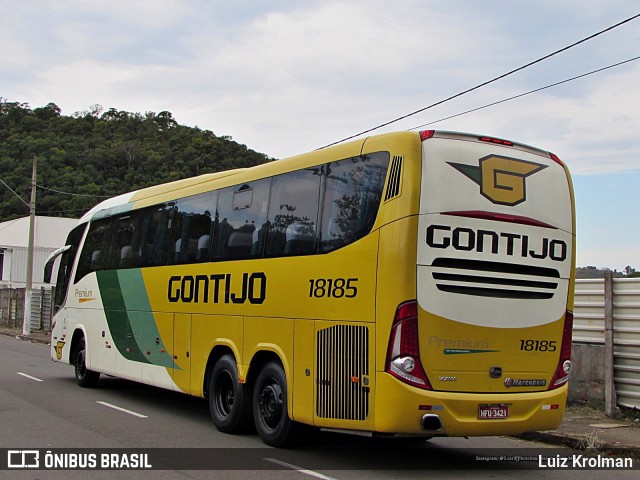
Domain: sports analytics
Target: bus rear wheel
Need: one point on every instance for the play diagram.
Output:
(229, 400)
(270, 411)
(84, 377)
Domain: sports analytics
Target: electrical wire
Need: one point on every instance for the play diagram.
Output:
(526, 93)
(13, 191)
(65, 211)
(483, 84)
(73, 194)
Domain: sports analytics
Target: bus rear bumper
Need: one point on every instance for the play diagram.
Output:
(404, 409)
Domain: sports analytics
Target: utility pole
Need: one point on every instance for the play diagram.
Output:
(26, 323)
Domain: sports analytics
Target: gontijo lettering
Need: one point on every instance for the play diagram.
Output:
(512, 244)
(218, 288)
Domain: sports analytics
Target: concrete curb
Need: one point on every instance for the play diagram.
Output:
(41, 338)
(581, 442)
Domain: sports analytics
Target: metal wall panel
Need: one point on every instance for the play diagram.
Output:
(626, 340)
(588, 311)
(588, 327)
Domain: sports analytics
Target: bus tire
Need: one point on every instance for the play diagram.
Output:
(229, 400)
(84, 377)
(270, 412)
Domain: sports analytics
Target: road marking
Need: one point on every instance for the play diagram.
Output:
(299, 469)
(29, 376)
(115, 407)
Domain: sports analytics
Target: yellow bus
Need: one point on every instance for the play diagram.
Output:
(407, 283)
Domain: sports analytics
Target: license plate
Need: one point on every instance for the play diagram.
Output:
(493, 412)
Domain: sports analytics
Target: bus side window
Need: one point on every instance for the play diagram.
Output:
(155, 235)
(243, 215)
(293, 213)
(194, 226)
(95, 249)
(352, 196)
(125, 234)
(66, 264)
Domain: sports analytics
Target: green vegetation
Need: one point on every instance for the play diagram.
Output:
(594, 272)
(97, 154)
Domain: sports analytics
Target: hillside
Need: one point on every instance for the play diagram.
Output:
(97, 154)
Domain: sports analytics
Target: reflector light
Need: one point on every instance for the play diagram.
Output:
(426, 134)
(431, 407)
(498, 141)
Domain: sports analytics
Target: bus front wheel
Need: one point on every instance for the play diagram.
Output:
(84, 377)
(229, 400)
(270, 413)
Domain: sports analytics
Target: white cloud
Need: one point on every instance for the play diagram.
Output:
(288, 77)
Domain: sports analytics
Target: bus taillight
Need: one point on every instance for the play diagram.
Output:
(564, 364)
(403, 354)
(426, 134)
(498, 141)
(556, 159)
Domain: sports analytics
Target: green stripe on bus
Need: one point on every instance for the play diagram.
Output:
(130, 319)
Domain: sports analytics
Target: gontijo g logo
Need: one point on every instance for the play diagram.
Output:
(501, 179)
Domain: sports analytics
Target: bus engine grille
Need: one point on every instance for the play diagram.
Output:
(494, 279)
(343, 372)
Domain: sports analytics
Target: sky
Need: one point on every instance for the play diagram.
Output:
(286, 77)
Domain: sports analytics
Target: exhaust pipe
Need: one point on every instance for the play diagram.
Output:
(431, 423)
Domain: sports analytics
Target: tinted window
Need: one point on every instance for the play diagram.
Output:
(66, 264)
(353, 190)
(155, 235)
(124, 251)
(242, 214)
(293, 213)
(95, 251)
(193, 228)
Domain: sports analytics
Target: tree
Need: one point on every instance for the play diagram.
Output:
(101, 153)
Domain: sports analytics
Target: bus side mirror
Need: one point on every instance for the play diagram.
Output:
(48, 269)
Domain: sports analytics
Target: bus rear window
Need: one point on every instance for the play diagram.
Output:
(352, 196)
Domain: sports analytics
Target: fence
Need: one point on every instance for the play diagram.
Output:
(12, 308)
(609, 314)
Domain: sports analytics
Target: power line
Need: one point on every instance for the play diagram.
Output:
(65, 211)
(483, 84)
(74, 194)
(13, 191)
(526, 93)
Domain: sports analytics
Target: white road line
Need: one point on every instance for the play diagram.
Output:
(299, 469)
(29, 376)
(115, 407)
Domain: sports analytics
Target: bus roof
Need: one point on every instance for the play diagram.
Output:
(190, 186)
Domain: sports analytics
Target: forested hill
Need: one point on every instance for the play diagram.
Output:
(98, 154)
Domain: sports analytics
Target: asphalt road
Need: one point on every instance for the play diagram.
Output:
(42, 408)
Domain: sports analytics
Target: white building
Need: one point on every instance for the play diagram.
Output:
(50, 233)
